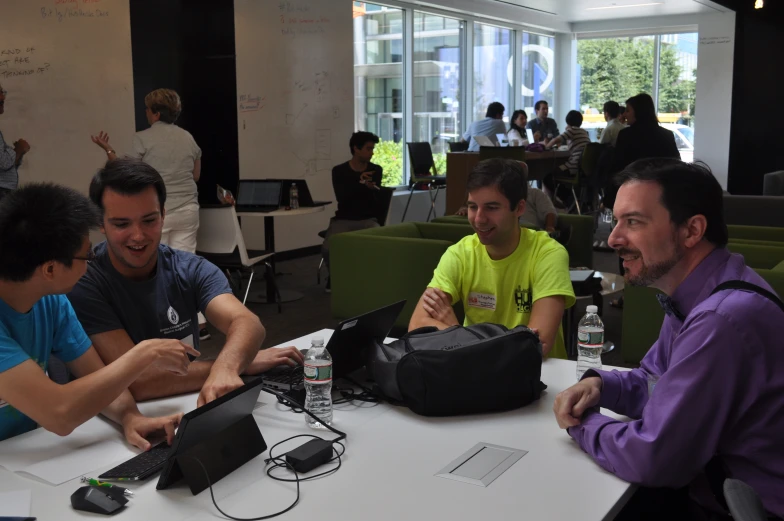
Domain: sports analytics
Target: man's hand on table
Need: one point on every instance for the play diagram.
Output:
(571, 404)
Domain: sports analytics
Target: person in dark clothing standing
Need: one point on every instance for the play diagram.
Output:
(356, 183)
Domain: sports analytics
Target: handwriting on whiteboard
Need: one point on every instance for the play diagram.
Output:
(251, 102)
(15, 62)
(714, 40)
(62, 14)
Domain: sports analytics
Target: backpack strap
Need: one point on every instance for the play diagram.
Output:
(748, 286)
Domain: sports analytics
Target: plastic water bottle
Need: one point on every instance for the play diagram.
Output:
(318, 384)
(590, 340)
(294, 196)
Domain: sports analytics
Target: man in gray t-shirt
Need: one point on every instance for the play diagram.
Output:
(137, 289)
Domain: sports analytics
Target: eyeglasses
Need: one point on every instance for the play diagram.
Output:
(89, 257)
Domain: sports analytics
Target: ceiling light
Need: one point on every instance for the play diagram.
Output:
(614, 6)
(758, 4)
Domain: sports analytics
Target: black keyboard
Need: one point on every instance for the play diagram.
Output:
(141, 466)
(285, 378)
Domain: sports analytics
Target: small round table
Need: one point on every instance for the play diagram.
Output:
(610, 283)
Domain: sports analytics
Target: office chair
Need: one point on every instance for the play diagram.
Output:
(458, 146)
(420, 157)
(744, 504)
(220, 241)
(587, 168)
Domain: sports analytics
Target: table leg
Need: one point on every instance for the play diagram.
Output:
(269, 245)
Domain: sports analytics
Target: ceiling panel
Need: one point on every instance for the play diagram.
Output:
(591, 10)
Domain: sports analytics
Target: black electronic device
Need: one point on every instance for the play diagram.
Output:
(140, 466)
(347, 347)
(303, 193)
(98, 500)
(221, 436)
(259, 195)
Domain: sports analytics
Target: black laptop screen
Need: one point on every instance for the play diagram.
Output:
(258, 193)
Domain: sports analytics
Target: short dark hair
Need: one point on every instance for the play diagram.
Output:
(42, 222)
(507, 174)
(688, 189)
(644, 109)
(539, 104)
(574, 118)
(128, 177)
(612, 108)
(494, 110)
(360, 139)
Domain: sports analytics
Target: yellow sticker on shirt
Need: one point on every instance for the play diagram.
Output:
(481, 300)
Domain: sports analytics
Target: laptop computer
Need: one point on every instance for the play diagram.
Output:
(346, 346)
(202, 433)
(305, 199)
(258, 195)
(484, 141)
(530, 135)
(503, 141)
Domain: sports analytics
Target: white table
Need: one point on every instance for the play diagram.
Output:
(269, 246)
(388, 469)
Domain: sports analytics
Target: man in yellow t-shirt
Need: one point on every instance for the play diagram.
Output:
(503, 274)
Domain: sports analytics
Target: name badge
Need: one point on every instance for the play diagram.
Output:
(481, 300)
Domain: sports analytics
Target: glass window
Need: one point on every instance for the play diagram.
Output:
(437, 57)
(678, 88)
(538, 57)
(493, 71)
(378, 83)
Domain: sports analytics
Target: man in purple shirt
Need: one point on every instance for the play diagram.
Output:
(712, 384)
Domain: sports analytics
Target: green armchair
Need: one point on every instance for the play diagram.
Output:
(375, 267)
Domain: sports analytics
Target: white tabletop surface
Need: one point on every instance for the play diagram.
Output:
(283, 212)
(388, 470)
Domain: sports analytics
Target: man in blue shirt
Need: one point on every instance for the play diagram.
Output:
(44, 240)
(138, 289)
(490, 126)
(542, 126)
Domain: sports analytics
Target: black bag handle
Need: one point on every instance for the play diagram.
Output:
(748, 286)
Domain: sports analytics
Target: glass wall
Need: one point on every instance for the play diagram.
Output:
(378, 83)
(619, 68)
(493, 70)
(437, 57)
(539, 73)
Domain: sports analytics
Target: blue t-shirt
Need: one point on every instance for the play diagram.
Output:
(49, 328)
(164, 306)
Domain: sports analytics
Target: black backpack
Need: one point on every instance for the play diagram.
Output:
(459, 370)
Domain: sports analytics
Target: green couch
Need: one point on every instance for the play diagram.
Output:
(375, 267)
(643, 317)
(580, 245)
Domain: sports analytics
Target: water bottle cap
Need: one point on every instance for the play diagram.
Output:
(592, 309)
(317, 341)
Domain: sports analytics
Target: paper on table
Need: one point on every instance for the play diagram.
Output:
(15, 504)
(57, 459)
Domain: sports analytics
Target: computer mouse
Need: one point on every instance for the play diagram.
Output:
(98, 500)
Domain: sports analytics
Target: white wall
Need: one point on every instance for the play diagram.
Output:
(714, 76)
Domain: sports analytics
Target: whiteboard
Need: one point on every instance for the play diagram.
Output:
(294, 102)
(66, 65)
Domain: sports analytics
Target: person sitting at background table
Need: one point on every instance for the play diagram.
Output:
(172, 151)
(544, 128)
(622, 115)
(356, 183)
(517, 128)
(138, 289)
(10, 157)
(610, 132)
(45, 240)
(492, 125)
(577, 138)
(503, 273)
(711, 388)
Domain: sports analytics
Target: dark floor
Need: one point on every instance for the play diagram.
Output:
(312, 312)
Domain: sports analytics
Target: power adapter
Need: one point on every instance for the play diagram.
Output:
(310, 455)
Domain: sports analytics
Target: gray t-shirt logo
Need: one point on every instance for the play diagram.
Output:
(172, 316)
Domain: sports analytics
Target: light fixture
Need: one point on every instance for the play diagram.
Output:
(615, 6)
(758, 4)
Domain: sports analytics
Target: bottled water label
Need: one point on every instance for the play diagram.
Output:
(590, 338)
(317, 373)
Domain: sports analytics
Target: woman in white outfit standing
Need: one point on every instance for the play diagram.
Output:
(173, 152)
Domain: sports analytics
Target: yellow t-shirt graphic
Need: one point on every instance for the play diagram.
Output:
(504, 291)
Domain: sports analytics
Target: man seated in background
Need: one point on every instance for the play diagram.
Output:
(711, 388)
(356, 183)
(577, 138)
(138, 289)
(504, 274)
(543, 127)
(490, 126)
(45, 245)
(610, 133)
